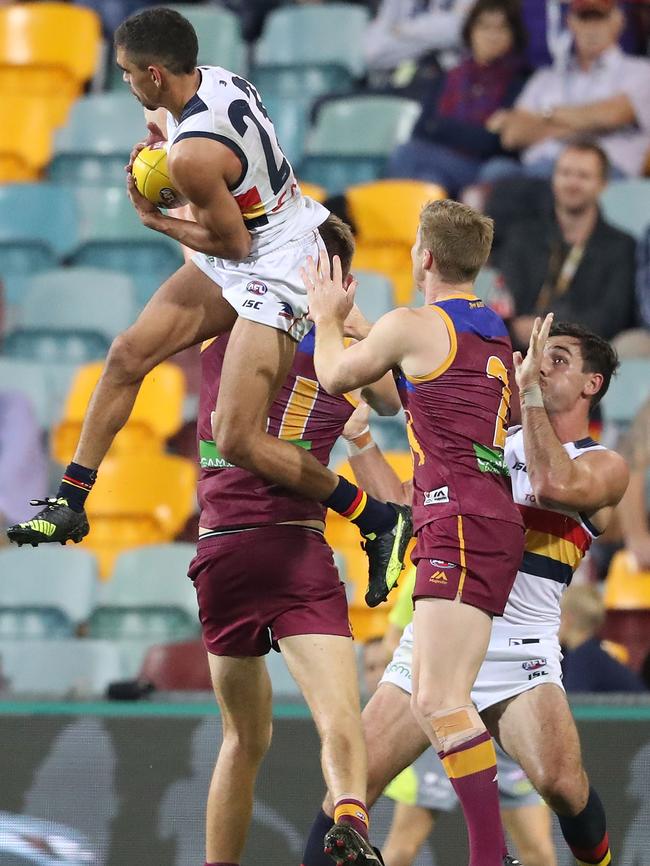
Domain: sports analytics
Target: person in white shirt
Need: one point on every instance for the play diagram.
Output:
(597, 90)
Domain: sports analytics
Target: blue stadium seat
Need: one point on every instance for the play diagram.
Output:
(94, 146)
(70, 346)
(47, 592)
(60, 668)
(149, 596)
(290, 118)
(38, 228)
(626, 204)
(112, 237)
(627, 391)
(319, 35)
(352, 138)
(46, 385)
(374, 295)
(85, 299)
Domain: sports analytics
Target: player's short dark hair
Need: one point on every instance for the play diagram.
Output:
(339, 241)
(512, 12)
(585, 144)
(159, 36)
(598, 356)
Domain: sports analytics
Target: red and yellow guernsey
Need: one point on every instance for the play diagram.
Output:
(457, 419)
(303, 413)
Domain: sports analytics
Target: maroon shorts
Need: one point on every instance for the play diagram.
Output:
(258, 586)
(475, 558)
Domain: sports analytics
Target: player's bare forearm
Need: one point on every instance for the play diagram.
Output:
(377, 477)
(329, 358)
(195, 236)
(548, 465)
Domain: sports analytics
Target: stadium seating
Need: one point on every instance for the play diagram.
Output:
(82, 299)
(179, 666)
(94, 145)
(386, 214)
(326, 36)
(627, 391)
(70, 346)
(44, 385)
(352, 138)
(48, 50)
(63, 667)
(47, 592)
(138, 499)
(157, 413)
(25, 138)
(375, 294)
(626, 204)
(148, 596)
(112, 237)
(313, 190)
(290, 116)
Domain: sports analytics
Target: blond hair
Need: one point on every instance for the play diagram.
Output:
(458, 238)
(587, 606)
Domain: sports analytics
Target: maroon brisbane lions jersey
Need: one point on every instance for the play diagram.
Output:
(303, 413)
(457, 418)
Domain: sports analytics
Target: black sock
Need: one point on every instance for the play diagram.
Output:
(586, 833)
(315, 847)
(76, 484)
(370, 515)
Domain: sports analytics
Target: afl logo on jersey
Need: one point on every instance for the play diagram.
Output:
(255, 287)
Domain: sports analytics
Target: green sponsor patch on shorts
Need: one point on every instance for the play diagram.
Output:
(211, 458)
(490, 459)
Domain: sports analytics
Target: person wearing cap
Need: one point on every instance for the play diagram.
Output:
(599, 90)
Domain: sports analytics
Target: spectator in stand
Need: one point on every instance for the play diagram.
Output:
(406, 33)
(23, 462)
(450, 141)
(571, 262)
(633, 508)
(586, 666)
(599, 90)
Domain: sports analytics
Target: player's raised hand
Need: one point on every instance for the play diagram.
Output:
(155, 135)
(328, 298)
(527, 370)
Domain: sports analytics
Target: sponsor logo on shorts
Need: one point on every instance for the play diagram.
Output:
(250, 304)
(441, 563)
(436, 497)
(533, 664)
(438, 577)
(536, 674)
(519, 467)
(255, 287)
(522, 641)
(399, 669)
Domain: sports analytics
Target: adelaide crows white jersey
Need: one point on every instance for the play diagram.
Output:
(556, 541)
(228, 109)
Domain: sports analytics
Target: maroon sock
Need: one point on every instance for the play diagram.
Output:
(472, 770)
(354, 813)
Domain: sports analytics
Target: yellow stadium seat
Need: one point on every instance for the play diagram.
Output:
(157, 414)
(313, 190)
(138, 499)
(49, 50)
(386, 214)
(617, 651)
(626, 588)
(25, 137)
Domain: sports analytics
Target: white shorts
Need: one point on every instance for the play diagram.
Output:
(268, 289)
(516, 660)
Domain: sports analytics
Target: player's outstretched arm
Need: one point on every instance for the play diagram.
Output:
(596, 480)
(342, 369)
(371, 469)
(219, 229)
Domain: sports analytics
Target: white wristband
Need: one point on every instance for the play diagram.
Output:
(532, 397)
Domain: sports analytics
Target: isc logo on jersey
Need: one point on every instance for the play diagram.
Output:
(256, 287)
(436, 497)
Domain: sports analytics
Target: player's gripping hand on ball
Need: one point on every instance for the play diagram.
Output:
(154, 136)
